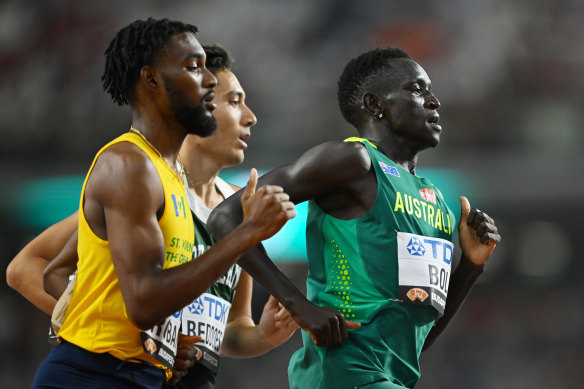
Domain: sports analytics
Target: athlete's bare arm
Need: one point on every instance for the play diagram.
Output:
(339, 177)
(123, 201)
(243, 338)
(25, 272)
(478, 236)
(57, 272)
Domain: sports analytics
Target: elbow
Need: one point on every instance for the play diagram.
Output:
(13, 276)
(142, 317)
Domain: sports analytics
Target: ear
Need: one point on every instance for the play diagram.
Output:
(149, 77)
(371, 103)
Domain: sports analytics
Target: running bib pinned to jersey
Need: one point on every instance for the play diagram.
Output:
(424, 270)
(161, 340)
(207, 318)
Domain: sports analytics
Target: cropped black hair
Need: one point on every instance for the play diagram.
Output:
(357, 76)
(218, 58)
(133, 47)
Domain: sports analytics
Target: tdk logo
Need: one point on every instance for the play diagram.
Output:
(428, 247)
(197, 307)
(416, 247)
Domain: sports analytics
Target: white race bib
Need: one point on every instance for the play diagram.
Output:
(161, 340)
(207, 317)
(424, 269)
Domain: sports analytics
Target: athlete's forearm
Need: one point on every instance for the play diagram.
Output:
(243, 339)
(162, 293)
(27, 279)
(256, 261)
(461, 284)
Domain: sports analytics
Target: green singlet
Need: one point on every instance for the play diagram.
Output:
(388, 270)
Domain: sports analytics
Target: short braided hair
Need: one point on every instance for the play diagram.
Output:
(357, 76)
(133, 47)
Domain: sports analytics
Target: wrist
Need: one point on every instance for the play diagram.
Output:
(468, 267)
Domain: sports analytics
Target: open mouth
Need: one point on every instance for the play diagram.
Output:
(243, 139)
(434, 119)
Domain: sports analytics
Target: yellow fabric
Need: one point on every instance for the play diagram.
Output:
(96, 318)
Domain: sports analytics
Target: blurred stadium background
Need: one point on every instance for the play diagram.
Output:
(509, 74)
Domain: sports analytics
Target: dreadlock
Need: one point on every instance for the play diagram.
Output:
(358, 75)
(133, 47)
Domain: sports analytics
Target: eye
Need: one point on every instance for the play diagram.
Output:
(193, 68)
(416, 89)
(234, 103)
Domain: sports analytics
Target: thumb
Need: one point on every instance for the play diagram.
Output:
(352, 325)
(272, 302)
(250, 188)
(192, 339)
(464, 209)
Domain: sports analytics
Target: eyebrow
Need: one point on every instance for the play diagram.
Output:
(236, 93)
(194, 55)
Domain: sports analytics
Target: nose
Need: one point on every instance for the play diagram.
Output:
(209, 79)
(248, 118)
(432, 101)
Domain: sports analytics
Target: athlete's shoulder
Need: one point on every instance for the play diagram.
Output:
(351, 157)
(125, 157)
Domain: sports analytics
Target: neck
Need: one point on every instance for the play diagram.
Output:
(165, 138)
(201, 172)
(396, 148)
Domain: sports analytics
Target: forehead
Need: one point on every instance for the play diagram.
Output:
(227, 82)
(183, 46)
(402, 71)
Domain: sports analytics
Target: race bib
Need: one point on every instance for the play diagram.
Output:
(207, 318)
(424, 270)
(59, 311)
(161, 340)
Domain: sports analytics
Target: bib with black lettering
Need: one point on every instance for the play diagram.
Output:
(161, 341)
(207, 315)
(424, 270)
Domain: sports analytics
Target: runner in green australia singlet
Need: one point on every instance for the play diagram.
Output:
(353, 268)
(378, 236)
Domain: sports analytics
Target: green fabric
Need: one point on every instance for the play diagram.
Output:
(353, 268)
(226, 285)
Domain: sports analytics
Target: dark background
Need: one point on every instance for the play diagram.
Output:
(509, 75)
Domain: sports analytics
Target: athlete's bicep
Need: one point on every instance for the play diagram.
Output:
(322, 170)
(129, 188)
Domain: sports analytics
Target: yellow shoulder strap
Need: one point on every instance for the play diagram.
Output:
(357, 139)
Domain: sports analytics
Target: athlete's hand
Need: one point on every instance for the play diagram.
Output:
(267, 210)
(186, 354)
(477, 233)
(276, 324)
(326, 326)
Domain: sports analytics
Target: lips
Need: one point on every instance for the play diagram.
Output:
(243, 139)
(208, 98)
(434, 119)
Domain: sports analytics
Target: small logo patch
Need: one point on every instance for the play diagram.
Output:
(417, 293)
(389, 169)
(416, 247)
(428, 195)
(150, 345)
(197, 307)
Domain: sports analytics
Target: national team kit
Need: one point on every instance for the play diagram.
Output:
(388, 270)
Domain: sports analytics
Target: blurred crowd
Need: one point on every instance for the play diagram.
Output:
(509, 76)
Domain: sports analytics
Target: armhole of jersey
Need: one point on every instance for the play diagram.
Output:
(374, 205)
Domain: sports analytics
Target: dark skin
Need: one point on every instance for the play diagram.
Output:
(124, 196)
(339, 176)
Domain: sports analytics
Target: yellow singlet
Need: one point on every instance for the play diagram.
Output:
(96, 318)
